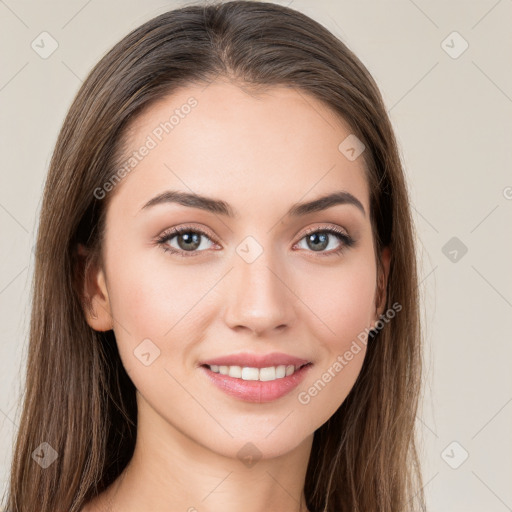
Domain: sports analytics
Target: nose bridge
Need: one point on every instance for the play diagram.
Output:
(257, 298)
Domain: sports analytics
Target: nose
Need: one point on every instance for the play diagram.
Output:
(258, 297)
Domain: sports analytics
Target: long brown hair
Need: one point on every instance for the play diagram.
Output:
(78, 398)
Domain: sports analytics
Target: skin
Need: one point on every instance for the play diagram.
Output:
(260, 154)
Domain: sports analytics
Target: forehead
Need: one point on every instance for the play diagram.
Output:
(222, 139)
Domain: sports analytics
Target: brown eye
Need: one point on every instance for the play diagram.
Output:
(189, 240)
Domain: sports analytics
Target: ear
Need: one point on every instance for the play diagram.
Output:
(94, 293)
(380, 295)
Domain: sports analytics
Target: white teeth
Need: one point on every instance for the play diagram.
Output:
(280, 371)
(268, 373)
(250, 374)
(235, 371)
(261, 374)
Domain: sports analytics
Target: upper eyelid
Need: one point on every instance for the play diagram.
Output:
(314, 229)
(176, 231)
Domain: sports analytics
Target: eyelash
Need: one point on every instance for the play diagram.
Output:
(347, 241)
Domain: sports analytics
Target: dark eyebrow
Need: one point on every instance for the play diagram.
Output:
(209, 204)
(324, 202)
(193, 201)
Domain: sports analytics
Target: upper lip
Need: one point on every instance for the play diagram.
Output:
(256, 360)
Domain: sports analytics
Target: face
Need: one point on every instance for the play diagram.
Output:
(244, 326)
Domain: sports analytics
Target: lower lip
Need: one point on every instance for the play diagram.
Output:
(256, 390)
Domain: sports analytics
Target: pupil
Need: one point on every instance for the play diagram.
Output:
(313, 238)
(193, 239)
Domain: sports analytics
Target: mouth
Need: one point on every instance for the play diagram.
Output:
(256, 378)
(248, 373)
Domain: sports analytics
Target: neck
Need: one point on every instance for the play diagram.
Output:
(171, 472)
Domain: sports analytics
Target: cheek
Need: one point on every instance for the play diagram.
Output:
(339, 301)
(341, 307)
(153, 299)
(328, 387)
(151, 296)
(156, 308)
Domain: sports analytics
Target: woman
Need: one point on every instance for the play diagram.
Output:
(225, 309)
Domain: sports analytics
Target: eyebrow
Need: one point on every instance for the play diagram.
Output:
(218, 206)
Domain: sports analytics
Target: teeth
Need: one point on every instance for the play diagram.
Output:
(250, 374)
(235, 371)
(268, 373)
(261, 374)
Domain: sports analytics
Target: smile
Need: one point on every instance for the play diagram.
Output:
(262, 374)
(256, 378)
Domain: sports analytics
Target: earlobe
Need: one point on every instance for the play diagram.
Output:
(95, 299)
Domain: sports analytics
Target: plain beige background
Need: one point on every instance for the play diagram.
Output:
(452, 111)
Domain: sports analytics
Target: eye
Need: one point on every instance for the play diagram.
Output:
(333, 239)
(185, 241)
(190, 241)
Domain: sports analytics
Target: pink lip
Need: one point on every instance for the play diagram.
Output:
(256, 360)
(252, 390)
